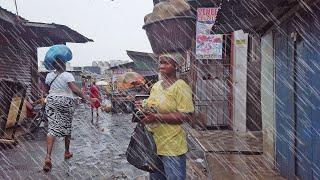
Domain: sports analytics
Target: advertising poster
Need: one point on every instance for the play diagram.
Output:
(208, 45)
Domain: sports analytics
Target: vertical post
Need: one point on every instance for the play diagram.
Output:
(231, 80)
(295, 98)
(23, 95)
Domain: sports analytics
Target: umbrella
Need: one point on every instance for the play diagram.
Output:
(55, 52)
(130, 80)
(102, 83)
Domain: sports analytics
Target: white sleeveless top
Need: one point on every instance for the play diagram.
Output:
(60, 86)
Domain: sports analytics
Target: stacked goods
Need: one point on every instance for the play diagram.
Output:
(170, 27)
(166, 10)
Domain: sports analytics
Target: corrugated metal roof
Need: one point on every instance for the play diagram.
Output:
(42, 34)
(9, 16)
(57, 33)
(144, 61)
(124, 65)
(204, 3)
(250, 15)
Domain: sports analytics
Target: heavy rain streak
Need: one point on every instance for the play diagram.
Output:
(162, 89)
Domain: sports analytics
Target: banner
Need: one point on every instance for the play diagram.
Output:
(208, 46)
(207, 14)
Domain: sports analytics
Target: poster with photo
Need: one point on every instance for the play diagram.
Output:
(208, 45)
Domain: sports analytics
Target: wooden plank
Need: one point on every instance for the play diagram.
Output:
(284, 103)
(314, 82)
(242, 167)
(227, 141)
(7, 141)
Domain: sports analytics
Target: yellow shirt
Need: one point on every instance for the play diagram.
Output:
(170, 138)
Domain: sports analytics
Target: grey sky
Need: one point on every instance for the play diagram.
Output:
(115, 26)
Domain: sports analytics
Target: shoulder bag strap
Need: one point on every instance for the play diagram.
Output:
(53, 80)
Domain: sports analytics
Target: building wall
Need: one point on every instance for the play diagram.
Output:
(297, 95)
(15, 64)
(240, 42)
(268, 96)
(93, 69)
(284, 89)
(253, 109)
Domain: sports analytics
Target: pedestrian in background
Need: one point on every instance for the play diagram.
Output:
(172, 99)
(60, 108)
(96, 99)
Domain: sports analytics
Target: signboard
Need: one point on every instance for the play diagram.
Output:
(207, 14)
(208, 46)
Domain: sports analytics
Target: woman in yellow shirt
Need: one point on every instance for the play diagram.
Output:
(172, 98)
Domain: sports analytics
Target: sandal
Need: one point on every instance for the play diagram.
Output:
(47, 165)
(68, 155)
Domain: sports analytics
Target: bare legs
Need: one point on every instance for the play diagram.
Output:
(92, 109)
(47, 161)
(91, 115)
(67, 143)
(67, 153)
(50, 143)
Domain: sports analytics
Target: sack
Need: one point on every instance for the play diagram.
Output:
(142, 149)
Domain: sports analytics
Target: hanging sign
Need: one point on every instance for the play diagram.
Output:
(208, 45)
(207, 14)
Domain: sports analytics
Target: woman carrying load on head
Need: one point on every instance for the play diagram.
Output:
(172, 99)
(60, 100)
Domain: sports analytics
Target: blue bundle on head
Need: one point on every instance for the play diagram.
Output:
(60, 51)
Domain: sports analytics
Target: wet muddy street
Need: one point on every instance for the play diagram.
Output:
(99, 151)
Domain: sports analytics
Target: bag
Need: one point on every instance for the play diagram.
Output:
(142, 149)
(53, 80)
(137, 114)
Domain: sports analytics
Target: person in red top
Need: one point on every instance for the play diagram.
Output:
(95, 95)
